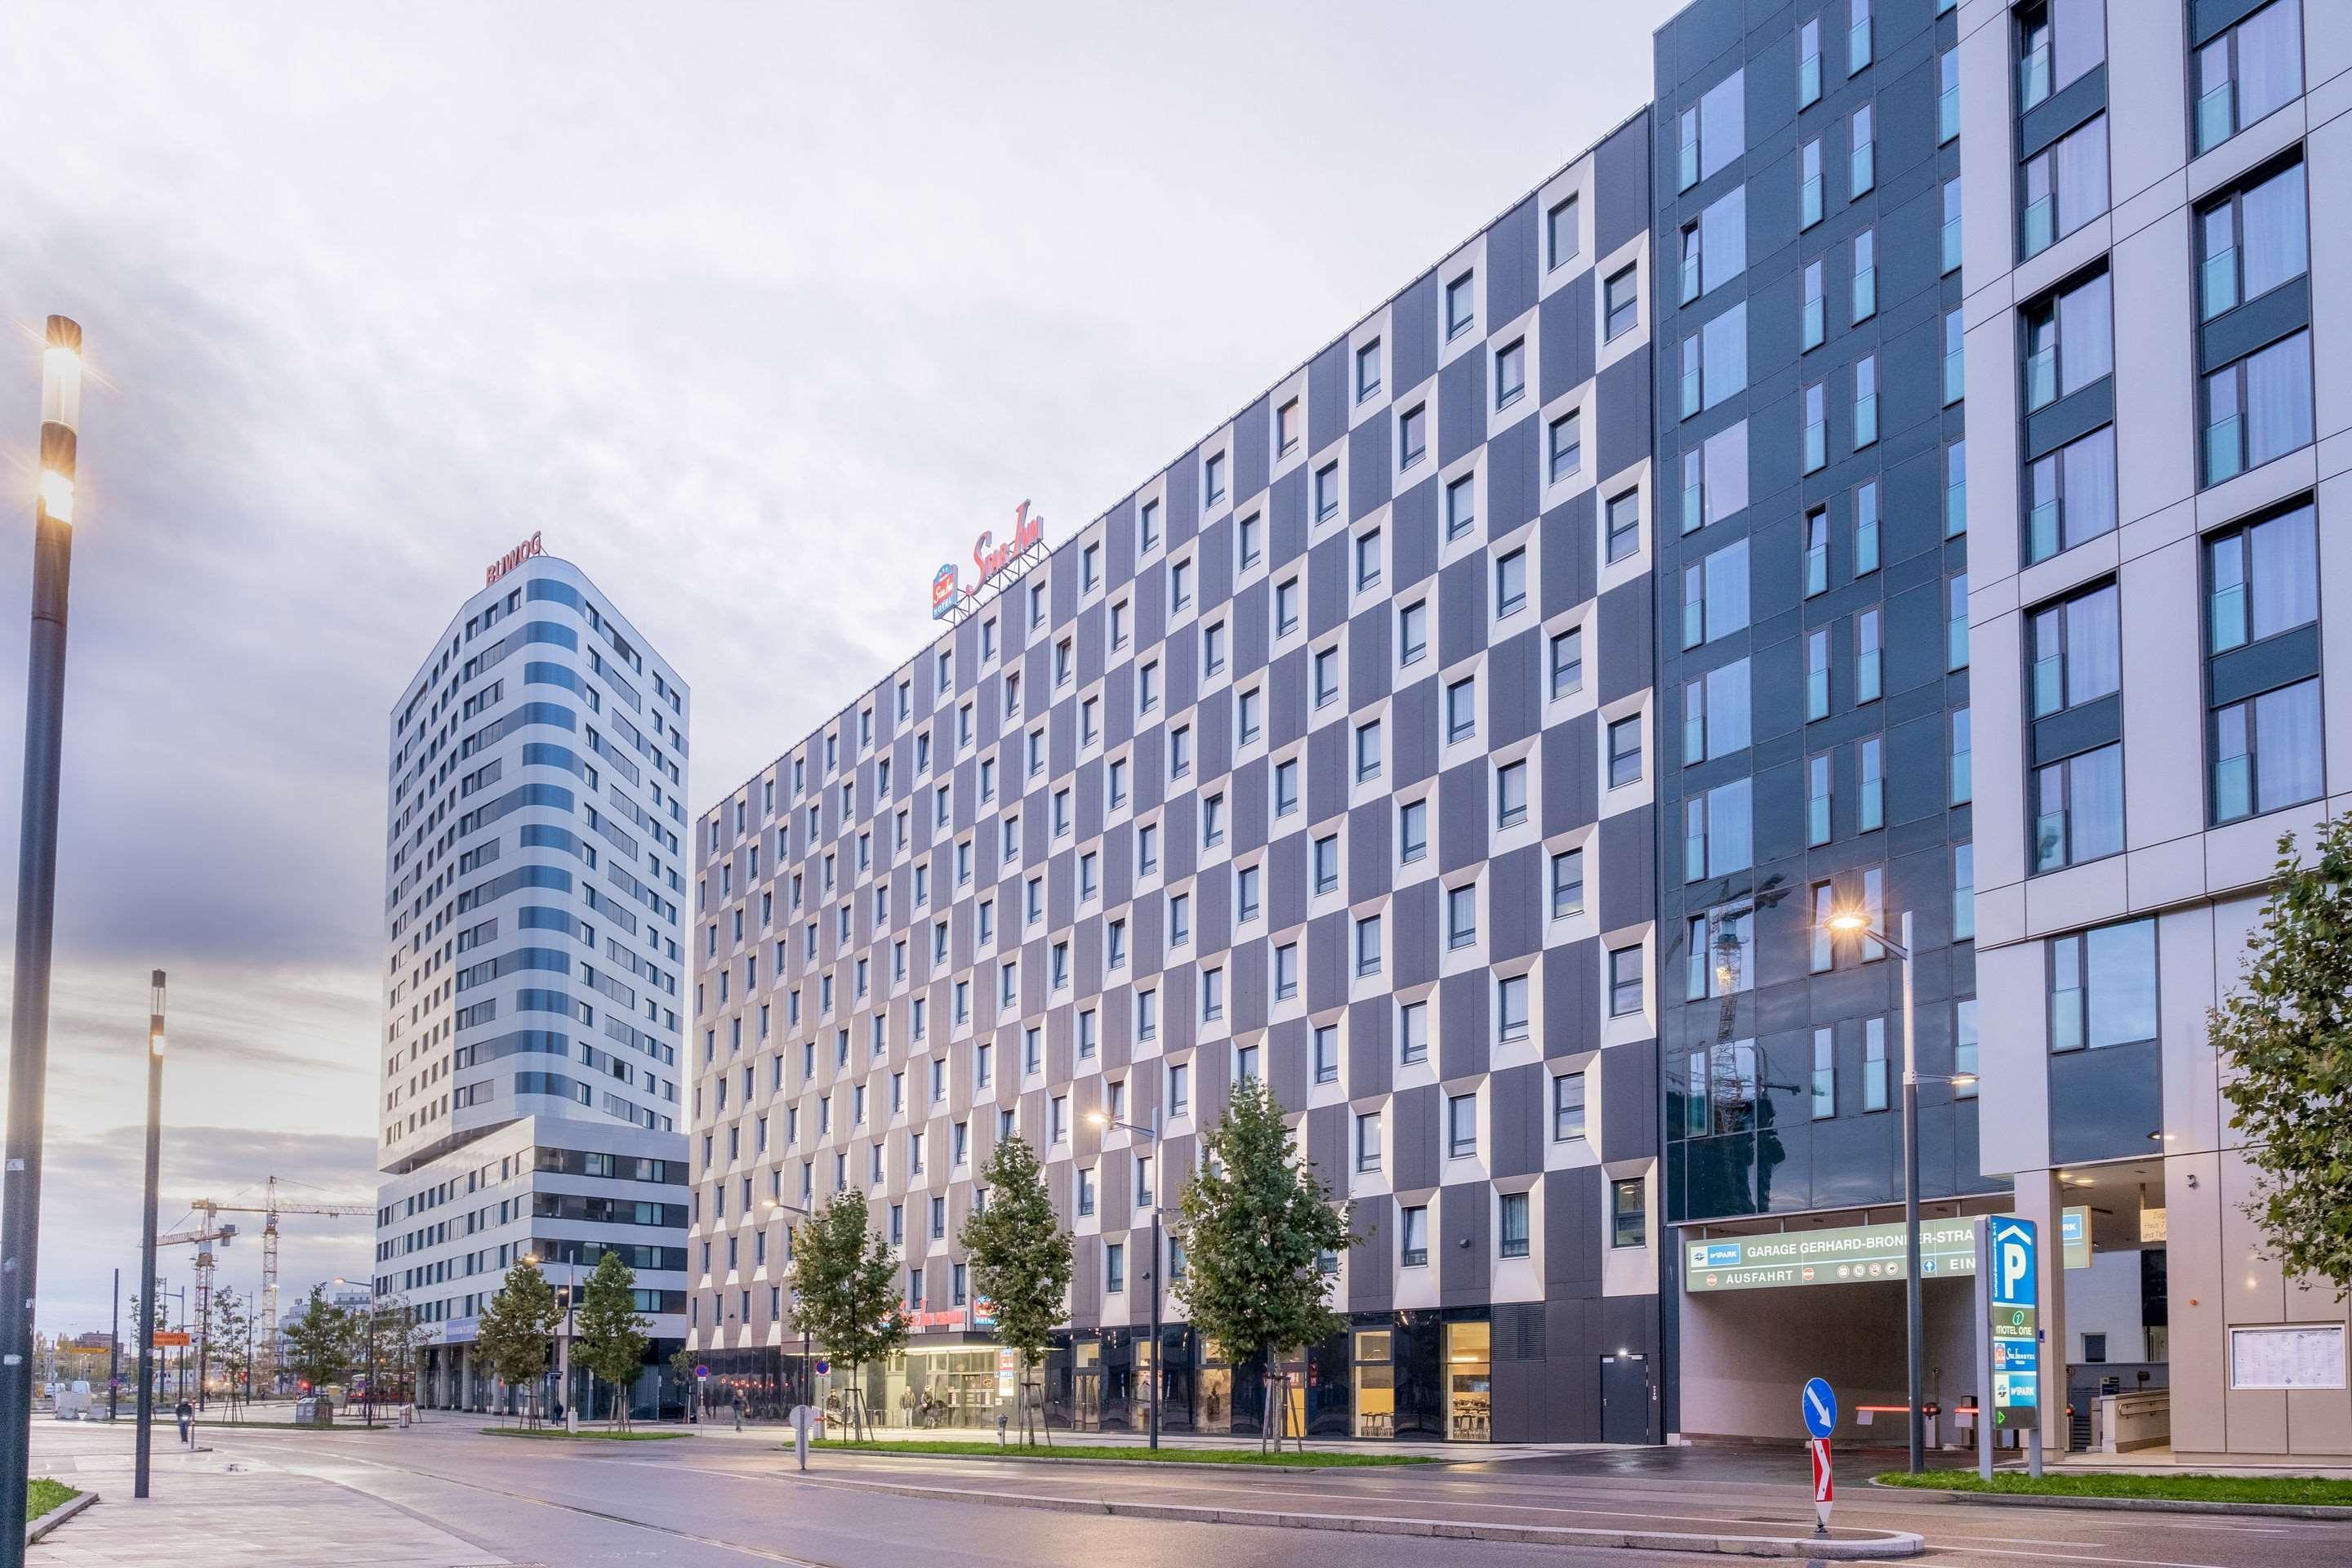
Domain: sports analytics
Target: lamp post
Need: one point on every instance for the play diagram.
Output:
(1856, 923)
(36, 888)
(808, 1388)
(147, 1234)
(1102, 1119)
(571, 1405)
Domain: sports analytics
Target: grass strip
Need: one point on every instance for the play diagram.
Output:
(2300, 1490)
(42, 1494)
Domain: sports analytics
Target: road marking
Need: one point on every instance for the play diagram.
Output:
(2073, 1556)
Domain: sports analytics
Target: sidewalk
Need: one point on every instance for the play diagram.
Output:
(723, 1427)
(211, 1510)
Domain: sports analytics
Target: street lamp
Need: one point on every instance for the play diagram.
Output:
(1103, 1120)
(147, 1233)
(1857, 922)
(36, 889)
(808, 1388)
(563, 1350)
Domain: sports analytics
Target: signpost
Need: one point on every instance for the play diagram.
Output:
(1818, 1406)
(2009, 1349)
(1843, 1255)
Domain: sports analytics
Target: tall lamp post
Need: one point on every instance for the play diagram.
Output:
(808, 1387)
(571, 1405)
(147, 1233)
(1102, 1119)
(1858, 923)
(36, 889)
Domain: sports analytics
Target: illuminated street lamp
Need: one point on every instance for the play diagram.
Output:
(1103, 1120)
(808, 1388)
(36, 886)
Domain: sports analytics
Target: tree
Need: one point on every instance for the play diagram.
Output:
(231, 1349)
(1020, 1259)
(2284, 1040)
(1255, 1224)
(319, 1342)
(516, 1331)
(608, 1336)
(845, 1291)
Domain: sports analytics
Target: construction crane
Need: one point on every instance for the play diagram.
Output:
(202, 1237)
(208, 1211)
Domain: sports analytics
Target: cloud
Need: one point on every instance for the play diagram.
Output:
(758, 313)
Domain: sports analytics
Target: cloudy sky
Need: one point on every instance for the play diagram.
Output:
(758, 311)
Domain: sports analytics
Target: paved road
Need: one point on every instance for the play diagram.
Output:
(703, 1503)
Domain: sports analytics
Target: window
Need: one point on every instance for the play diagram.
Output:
(1413, 1236)
(1285, 608)
(1368, 1141)
(1717, 835)
(2069, 341)
(1624, 982)
(1816, 417)
(1809, 62)
(1461, 1127)
(2261, 580)
(1865, 528)
(1413, 830)
(1179, 1089)
(1817, 800)
(1566, 449)
(1368, 370)
(2065, 187)
(2265, 730)
(1114, 1268)
(1367, 945)
(1462, 710)
(1715, 595)
(1716, 714)
(1857, 35)
(1964, 1047)
(2258, 408)
(1247, 539)
(1368, 560)
(1951, 231)
(1865, 275)
(1861, 151)
(1213, 474)
(1956, 383)
(1964, 892)
(1327, 1053)
(1948, 97)
(1327, 492)
(2079, 808)
(1461, 506)
(1714, 245)
(1567, 882)
(1712, 132)
(1955, 488)
(2247, 73)
(1956, 622)
(1567, 1107)
(1461, 915)
(1326, 859)
(2252, 240)
(1511, 794)
(1808, 183)
(1510, 373)
(2070, 494)
(1412, 436)
(1621, 303)
(1865, 401)
(1461, 305)
(1624, 525)
(1285, 428)
(1326, 676)
(1962, 786)
(1815, 309)
(1715, 361)
(1413, 1031)
(2057, 41)
(1626, 752)
(1872, 813)
(1147, 532)
(1627, 1213)
(1866, 656)
(1412, 631)
(1367, 752)
(2102, 987)
(2077, 650)
(1567, 661)
(1560, 231)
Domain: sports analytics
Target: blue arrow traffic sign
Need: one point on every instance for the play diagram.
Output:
(1819, 1407)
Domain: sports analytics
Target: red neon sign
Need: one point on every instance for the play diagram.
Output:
(512, 559)
(988, 559)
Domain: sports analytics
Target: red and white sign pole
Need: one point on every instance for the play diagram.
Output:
(1824, 1492)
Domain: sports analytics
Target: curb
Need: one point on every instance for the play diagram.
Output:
(2128, 1504)
(1878, 1543)
(35, 1530)
(1228, 1467)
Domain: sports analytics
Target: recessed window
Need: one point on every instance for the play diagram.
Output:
(1327, 492)
(1560, 231)
(1510, 374)
(1412, 436)
(1461, 305)
(1461, 506)
(1627, 1213)
(1621, 303)
(1213, 479)
(1462, 710)
(1368, 370)
(1565, 442)
(2102, 987)
(1624, 525)
(1566, 883)
(2065, 187)
(2248, 73)
(1511, 794)
(1413, 830)
(1413, 1236)
(1146, 529)
(1567, 662)
(1285, 428)
(1412, 631)
(1511, 582)
(1625, 752)
(1567, 1107)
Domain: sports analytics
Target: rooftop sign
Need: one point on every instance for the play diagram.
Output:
(512, 559)
(993, 564)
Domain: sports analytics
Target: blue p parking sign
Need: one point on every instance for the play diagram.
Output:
(1819, 1405)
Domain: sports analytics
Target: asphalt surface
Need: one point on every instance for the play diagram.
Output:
(712, 1503)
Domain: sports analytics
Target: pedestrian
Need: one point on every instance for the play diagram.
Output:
(187, 1414)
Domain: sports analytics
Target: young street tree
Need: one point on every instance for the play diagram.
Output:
(608, 1337)
(229, 1343)
(1020, 1259)
(319, 1342)
(2285, 1039)
(1256, 1222)
(516, 1331)
(846, 1291)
